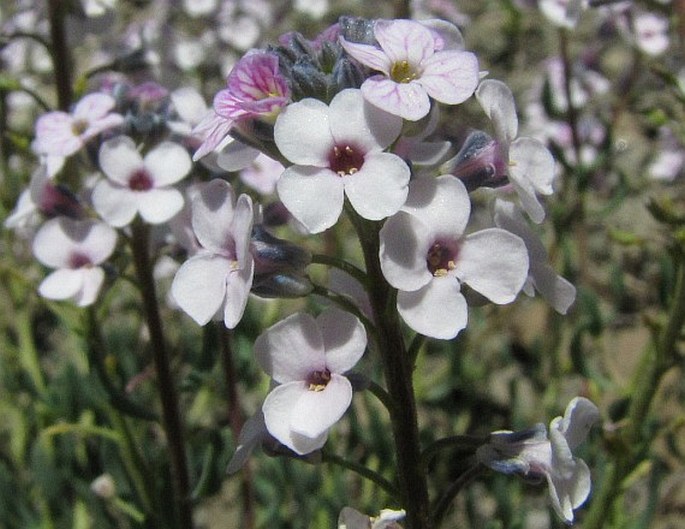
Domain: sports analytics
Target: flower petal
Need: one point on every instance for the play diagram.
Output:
(291, 349)
(168, 163)
(212, 213)
(354, 120)
(404, 40)
(316, 411)
(556, 290)
(115, 204)
(159, 205)
(493, 262)
(379, 188)
(531, 160)
(92, 282)
(368, 55)
(238, 286)
(119, 158)
(404, 244)
(498, 103)
(93, 106)
(450, 77)
(407, 100)
(199, 286)
(344, 339)
(312, 195)
(302, 133)
(580, 415)
(61, 284)
(437, 310)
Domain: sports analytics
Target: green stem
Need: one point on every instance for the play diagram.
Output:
(382, 395)
(171, 417)
(398, 368)
(346, 304)
(363, 471)
(468, 443)
(340, 264)
(446, 499)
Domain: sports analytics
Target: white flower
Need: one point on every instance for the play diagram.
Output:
(219, 276)
(555, 289)
(529, 165)
(308, 357)
(139, 185)
(425, 254)
(563, 13)
(413, 69)
(75, 248)
(651, 33)
(338, 150)
(532, 455)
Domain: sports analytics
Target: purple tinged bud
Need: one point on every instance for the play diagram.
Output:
(356, 29)
(57, 200)
(347, 74)
(480, 162)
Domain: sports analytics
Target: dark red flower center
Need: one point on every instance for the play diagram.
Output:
(79, 260)
(140, 180)
(441, 258)
(318, 380)
(345, 160)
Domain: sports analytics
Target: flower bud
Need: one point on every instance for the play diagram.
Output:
(103, 486)
(480, 162)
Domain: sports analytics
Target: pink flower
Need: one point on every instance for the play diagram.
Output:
(308, 358)
(414, 68)
(75, 248)
(137, 184)
(255, 89)
(61, 134)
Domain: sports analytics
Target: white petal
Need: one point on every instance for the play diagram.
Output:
(450, 77)
(93, 106)
(61, 284)
(92, 281)
(493, 262)
(238, 287)
(235, 156)
(99, 241)
(291, 349)
(368, 55)
(441, 203)
(344, 339)
(159, 205)
(437, 310)
(277, 408)
(530, 160)
(404, 244)
(115, 204)
(407, 100)
(580, 415)
(379, 188)
(313, 196)
(241, 230)
(52, 246)
(556, 290)
(498, 103)
(302, 133)
(119, 158)
(168, 163)
(404, 40)
(316, 411)
(509, 217)
(199, 286)
(212, 213)
(253, 431)
(354, 120)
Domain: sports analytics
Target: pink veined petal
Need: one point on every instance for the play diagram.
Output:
(368, 55)
(213, 129)
(316, 411)
(437, 310)
(407, 100)
(404, 244)
(291, 349)
(493, 262)
(241, 228)
(159, 205)
(497, 102)
(302, 133)
(61, 284)
(446, 35)
(450, 77)
(55, 135)
(199, 286)
(93, 106)
(213, 208)
(380, 187)
(238, 284)
(92, 282)
(119, 158)
(277, 408)
(115, 204)
(312, 195)
(530, 160)
(404, 40)
(168, 163)
(441, 203)
(344, 339)
(354, 120)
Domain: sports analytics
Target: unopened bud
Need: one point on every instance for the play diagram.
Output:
(480, 163)
(103, 486)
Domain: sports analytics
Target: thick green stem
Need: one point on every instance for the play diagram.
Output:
(171, 417)
(362, 471)
(398, 368)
